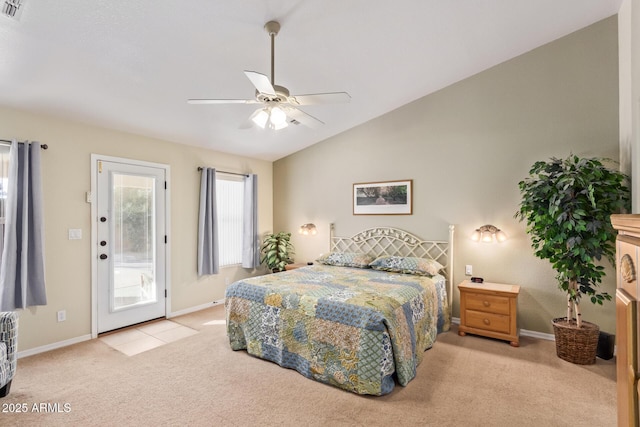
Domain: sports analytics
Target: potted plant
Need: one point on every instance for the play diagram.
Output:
(567, 204)
(276, 251)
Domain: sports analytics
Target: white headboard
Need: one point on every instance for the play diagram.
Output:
(381, 241)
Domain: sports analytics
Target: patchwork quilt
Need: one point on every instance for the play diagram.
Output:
(356, 329)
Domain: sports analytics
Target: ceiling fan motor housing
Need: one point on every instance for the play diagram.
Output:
(282, 95)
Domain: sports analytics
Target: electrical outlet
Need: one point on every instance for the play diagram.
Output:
(62, 315)
(468, 270)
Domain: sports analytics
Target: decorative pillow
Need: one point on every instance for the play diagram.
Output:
(346, 259)
(407, 265)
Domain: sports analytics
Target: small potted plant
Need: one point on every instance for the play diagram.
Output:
(276, 251)
(567, 204)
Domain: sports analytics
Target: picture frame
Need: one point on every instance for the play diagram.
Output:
(383, 198)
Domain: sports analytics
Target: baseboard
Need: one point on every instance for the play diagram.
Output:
(523, 332)
(539, 335)
(65, 343)
(53, 346)
(196, 308)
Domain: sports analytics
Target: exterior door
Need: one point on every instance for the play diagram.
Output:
(131, 243)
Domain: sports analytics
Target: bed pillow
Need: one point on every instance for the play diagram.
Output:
(346, 259)
(407, 265)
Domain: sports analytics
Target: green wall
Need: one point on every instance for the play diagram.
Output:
(466, 147)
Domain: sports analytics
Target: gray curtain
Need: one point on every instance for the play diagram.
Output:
(250, 240)
(208, 224)
(22, 267)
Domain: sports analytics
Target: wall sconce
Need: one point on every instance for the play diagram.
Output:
(488, 234)
(308, 229)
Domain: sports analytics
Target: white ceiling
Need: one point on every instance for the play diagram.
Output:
(131, 65)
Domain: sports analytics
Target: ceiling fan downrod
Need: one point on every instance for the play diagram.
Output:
(272, 27)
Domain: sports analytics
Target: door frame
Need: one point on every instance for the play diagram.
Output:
(92, 198)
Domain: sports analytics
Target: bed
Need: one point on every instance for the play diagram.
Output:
(344, 323)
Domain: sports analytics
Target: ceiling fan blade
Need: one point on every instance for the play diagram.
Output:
(221, 101)
(322, 98)
(261, 82)
(304, 118)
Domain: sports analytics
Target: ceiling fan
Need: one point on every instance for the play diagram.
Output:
(279, 107)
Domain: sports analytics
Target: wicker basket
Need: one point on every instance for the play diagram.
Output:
(576, 345)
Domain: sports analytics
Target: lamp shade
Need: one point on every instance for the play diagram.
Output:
(261, 118)
(487, 237)
(277, 117)
(501, 236)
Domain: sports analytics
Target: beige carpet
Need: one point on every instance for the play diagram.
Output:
(199, 381)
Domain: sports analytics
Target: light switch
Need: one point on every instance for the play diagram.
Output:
(75, 234)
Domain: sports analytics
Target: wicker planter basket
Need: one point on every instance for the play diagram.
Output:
(576, 345)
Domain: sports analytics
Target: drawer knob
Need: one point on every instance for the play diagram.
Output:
(486, 303)
(486, 321)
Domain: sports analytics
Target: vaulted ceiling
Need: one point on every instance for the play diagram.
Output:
(132, 65)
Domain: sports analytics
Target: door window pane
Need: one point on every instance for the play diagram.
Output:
(134, 240)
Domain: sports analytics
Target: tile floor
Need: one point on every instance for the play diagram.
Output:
(137, 339)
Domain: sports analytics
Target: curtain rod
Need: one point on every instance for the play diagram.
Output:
(7, 142)
(228, 173)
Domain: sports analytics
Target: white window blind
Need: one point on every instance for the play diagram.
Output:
(4, 175)
(230, 204)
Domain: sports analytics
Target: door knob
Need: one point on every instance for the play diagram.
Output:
(103, 243)
(103, 256)
(103, 219)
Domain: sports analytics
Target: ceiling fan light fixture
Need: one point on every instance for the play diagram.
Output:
(260, 119)
(277, 117)
(272, 117)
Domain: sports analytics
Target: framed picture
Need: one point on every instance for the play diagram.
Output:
(383, 198)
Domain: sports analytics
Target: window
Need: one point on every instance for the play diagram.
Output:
(4, 178)
(230, 204)
(4, 175)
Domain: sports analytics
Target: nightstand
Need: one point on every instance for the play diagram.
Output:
(490, 310)
(294, 266)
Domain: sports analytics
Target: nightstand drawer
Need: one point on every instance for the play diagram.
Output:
(487, 321)
(488, 303)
